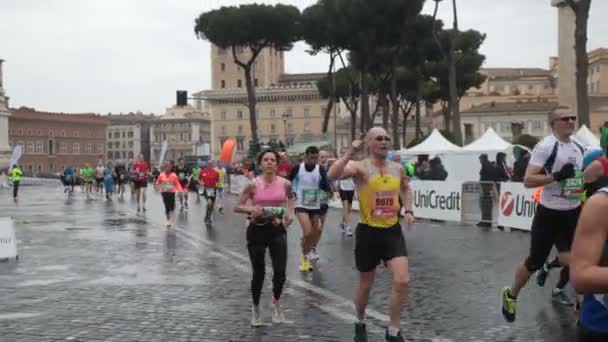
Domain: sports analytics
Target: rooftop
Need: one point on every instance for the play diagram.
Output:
(32, 114)
(512, 107)
(309, 77)
(515, 72)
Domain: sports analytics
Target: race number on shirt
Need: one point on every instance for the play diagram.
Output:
(385, 204)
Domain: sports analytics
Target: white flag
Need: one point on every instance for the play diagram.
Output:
(17, 152)
(163, 151)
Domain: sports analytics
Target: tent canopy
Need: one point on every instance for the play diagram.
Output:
(490, 141)
(587, 137)
(435, 143)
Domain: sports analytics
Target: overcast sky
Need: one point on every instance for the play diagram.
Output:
(129, 55)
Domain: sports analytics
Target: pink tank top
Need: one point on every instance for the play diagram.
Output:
(270, 194)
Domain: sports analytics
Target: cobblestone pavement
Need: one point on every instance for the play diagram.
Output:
(97, 271)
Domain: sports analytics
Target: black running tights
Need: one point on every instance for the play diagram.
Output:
(258, 239)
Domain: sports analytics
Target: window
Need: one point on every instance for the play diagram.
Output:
(537, 125)
(307, 126)
(109, 155)
(273, 114)
(240, 129)
(306, 112)
(130, 144)
(130, 134)
(51, 151)
(255, 82)
(29, 131)
(289, 112)
(76, 148)
(130, 154)
(239, 115)
(240, 144)
(109, 145)
(29, 147)
(272, 128)
(223, 130)
(199, 105)
(468, 133)
(39, 147)
(88, 148)
(123, 134)
(51, 134)
(62, 133)
(124, 145)
(116, 135)
(39, 132)
(124, 154)
(99, 148)
(223, 67)
(20, 132)
(239, 84)
(116, 144)
(109, 135)
(223, 84)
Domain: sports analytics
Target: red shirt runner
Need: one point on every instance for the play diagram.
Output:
(284, 169)
(141, 170)
(209, 178)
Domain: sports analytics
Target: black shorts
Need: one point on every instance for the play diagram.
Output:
(550, 228)
(184, 184)
(347, 195)
(375, 244)
(140, 184)
(99, 180)
(310, 212)
(168, 201)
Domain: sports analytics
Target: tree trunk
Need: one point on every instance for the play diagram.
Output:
(332, 94)
(582, 61)
(456, 130)
(385, 110)
(395, 105)
(353, 125)
(406, 114)
(252, 103)
(418, 129)
(364, 101)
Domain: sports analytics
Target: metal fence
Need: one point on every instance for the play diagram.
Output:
(480, 203)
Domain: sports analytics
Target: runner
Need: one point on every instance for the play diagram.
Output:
(168, 183)
(325, 195)
(88, 174)
(379, 183)
(194, 183)
(555, 164)
(589, 262)
(270, 217)
(183, 173)
(15, 173)
(121, 179)
(308, 181)
(221, 171)
(347, 195)
(209, 178)
(141, 171)
(98, 177)
(108, 180)
(285, 166)
(68, 179)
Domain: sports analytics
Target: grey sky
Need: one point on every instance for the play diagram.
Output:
(129, 55)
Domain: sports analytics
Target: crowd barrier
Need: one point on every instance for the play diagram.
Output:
(504, 204)
(28, 181)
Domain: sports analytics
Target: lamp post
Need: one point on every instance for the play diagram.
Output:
(285, 116)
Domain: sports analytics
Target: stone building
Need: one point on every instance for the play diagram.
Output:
(129, 135)
(53, 140)
(186, 130)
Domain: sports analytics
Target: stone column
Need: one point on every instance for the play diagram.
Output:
(5, 150)
(566, 90)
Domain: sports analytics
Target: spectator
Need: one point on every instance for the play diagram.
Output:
(520, 166)
(437, 171)
(502, 169)
(486, 177)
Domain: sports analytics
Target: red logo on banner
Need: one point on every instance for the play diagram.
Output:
(507, 203)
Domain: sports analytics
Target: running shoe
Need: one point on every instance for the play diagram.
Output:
(256, 319)
(389, 338)
(349, 231)
(138, 209)
(560, 296)
(277, 313)
(313, 256)
(509, 304)
(360, 332)
(305, 265)
(221, 210)
(342, 228)
(541, 275)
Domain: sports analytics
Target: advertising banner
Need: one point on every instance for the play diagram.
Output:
(517, 207)
(437, 200)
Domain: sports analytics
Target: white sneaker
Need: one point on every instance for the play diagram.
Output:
(256, 320)
(277, 313)
(349, 231)
(312, 255)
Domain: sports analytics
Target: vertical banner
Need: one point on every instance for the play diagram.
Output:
(517, 206)
(437, 200)
(8, 241)
(17, 153)
(163, 151)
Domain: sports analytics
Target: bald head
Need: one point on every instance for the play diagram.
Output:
(374, 132)
(377, 141)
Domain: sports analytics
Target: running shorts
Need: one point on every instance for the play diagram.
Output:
(347, 195)
(168, 201)
(310, 212)
(550, 228)
(140, 184)
(209, 193)
(373, 245)
(220, 190)
(324, 209)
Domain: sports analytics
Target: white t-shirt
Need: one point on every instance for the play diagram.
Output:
(347, 184)
(566, 153)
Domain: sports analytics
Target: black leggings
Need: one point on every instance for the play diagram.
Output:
(260, 237)
(168, 201)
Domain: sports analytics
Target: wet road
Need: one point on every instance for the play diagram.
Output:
(98, 271)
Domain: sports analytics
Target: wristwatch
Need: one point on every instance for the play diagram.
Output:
(409, 212)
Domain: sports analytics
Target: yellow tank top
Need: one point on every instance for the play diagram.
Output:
(379, 198)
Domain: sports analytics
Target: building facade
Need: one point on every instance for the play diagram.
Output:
(53, 140)
(129, 135)
(5, 150)
(186, 130)
(289, 107)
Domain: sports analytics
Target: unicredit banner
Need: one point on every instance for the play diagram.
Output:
(437, 200)
(517, 207)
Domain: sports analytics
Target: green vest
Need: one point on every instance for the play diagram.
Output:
(16, 174)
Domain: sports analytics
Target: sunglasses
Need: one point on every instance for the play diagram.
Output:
(567, 118)
(381, 138)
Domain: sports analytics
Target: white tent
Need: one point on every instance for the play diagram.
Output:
(488, 142)
(433, 144)
(587, 137)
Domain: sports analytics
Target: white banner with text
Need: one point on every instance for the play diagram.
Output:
(517, 207)
(437, 200)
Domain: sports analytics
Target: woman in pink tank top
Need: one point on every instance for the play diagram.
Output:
(168, 184)
(271, 212)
